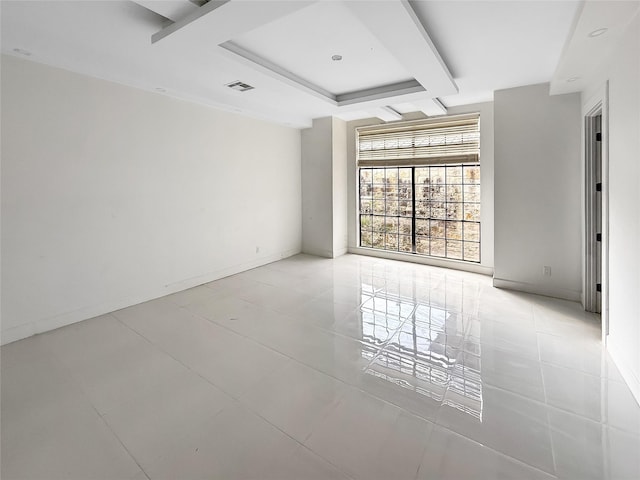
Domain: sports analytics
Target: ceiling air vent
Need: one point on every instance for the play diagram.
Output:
(240, 86)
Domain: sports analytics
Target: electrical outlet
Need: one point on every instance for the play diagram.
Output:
(546, 271)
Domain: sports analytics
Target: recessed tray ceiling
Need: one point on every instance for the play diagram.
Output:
(180, 49)
(304, 42)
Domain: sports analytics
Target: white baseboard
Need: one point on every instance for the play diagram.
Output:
(563, 293)
(629, 376)
(18, 333)
(340, 251)
(67, 318)
(317, 252)
(434, 262)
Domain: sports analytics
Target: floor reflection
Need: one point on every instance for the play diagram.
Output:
(421, 347)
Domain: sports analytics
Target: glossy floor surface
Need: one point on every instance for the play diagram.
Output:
(355, 368)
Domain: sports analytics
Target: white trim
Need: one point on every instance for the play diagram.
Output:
(386, 114)
(625, 370)
(398, 28)
(339, 252)
(547, 291)
(590, 229)
(224, 20)
(413, 258)
(246, 57)
(485, 110)
(242, 55)
(174, 11)
(601, 96)
(67, 318)
(431, 107)
(381, 92)
(318, 252)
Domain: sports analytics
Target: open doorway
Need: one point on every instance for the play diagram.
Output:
(595, 215)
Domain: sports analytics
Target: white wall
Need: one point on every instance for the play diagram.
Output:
(339, 166)
(317, 186)
(623, 75)
(538, 191)
(486, 206)
(112, 196)
(324, 181)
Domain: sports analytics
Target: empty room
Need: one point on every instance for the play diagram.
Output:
(320, 239)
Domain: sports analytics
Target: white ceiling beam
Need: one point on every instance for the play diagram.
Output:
(219, 21)
(376, 93)
(239, 54)
(386, 114)
(431, 107)
(172, 9)
(396, 26)
(393, 98)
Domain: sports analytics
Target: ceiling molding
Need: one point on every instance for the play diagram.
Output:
(382, 92)
(386, 114)
(350, 98)
(407, 41)
(219, 21)
(174, 10)
(276, 71)
(190, 18)
(431, 107)
(229, 19)
(386, 51)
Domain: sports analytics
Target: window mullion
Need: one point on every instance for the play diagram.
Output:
(413, 209)
(446, 210)
(462, 223)
(431, 152)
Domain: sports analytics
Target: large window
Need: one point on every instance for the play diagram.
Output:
(420, 187)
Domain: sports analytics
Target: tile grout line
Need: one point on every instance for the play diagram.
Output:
(435, 421)
(81, 390)
(233, 397)
(498, 452)
(106, 424)
(335, 378)
(238, 399)
(546, 398)
(379, 350)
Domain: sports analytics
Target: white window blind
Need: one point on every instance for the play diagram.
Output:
(453, 139)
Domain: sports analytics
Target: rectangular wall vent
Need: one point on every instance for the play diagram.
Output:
(240, 86)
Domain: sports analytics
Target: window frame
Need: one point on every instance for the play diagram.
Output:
(461, 241)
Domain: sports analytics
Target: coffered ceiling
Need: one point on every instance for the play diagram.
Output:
(304, 59)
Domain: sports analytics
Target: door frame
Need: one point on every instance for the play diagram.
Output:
(597, 105)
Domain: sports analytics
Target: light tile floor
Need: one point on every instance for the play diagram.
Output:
(314, 368)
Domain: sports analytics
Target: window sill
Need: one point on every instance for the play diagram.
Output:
(424, 260)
